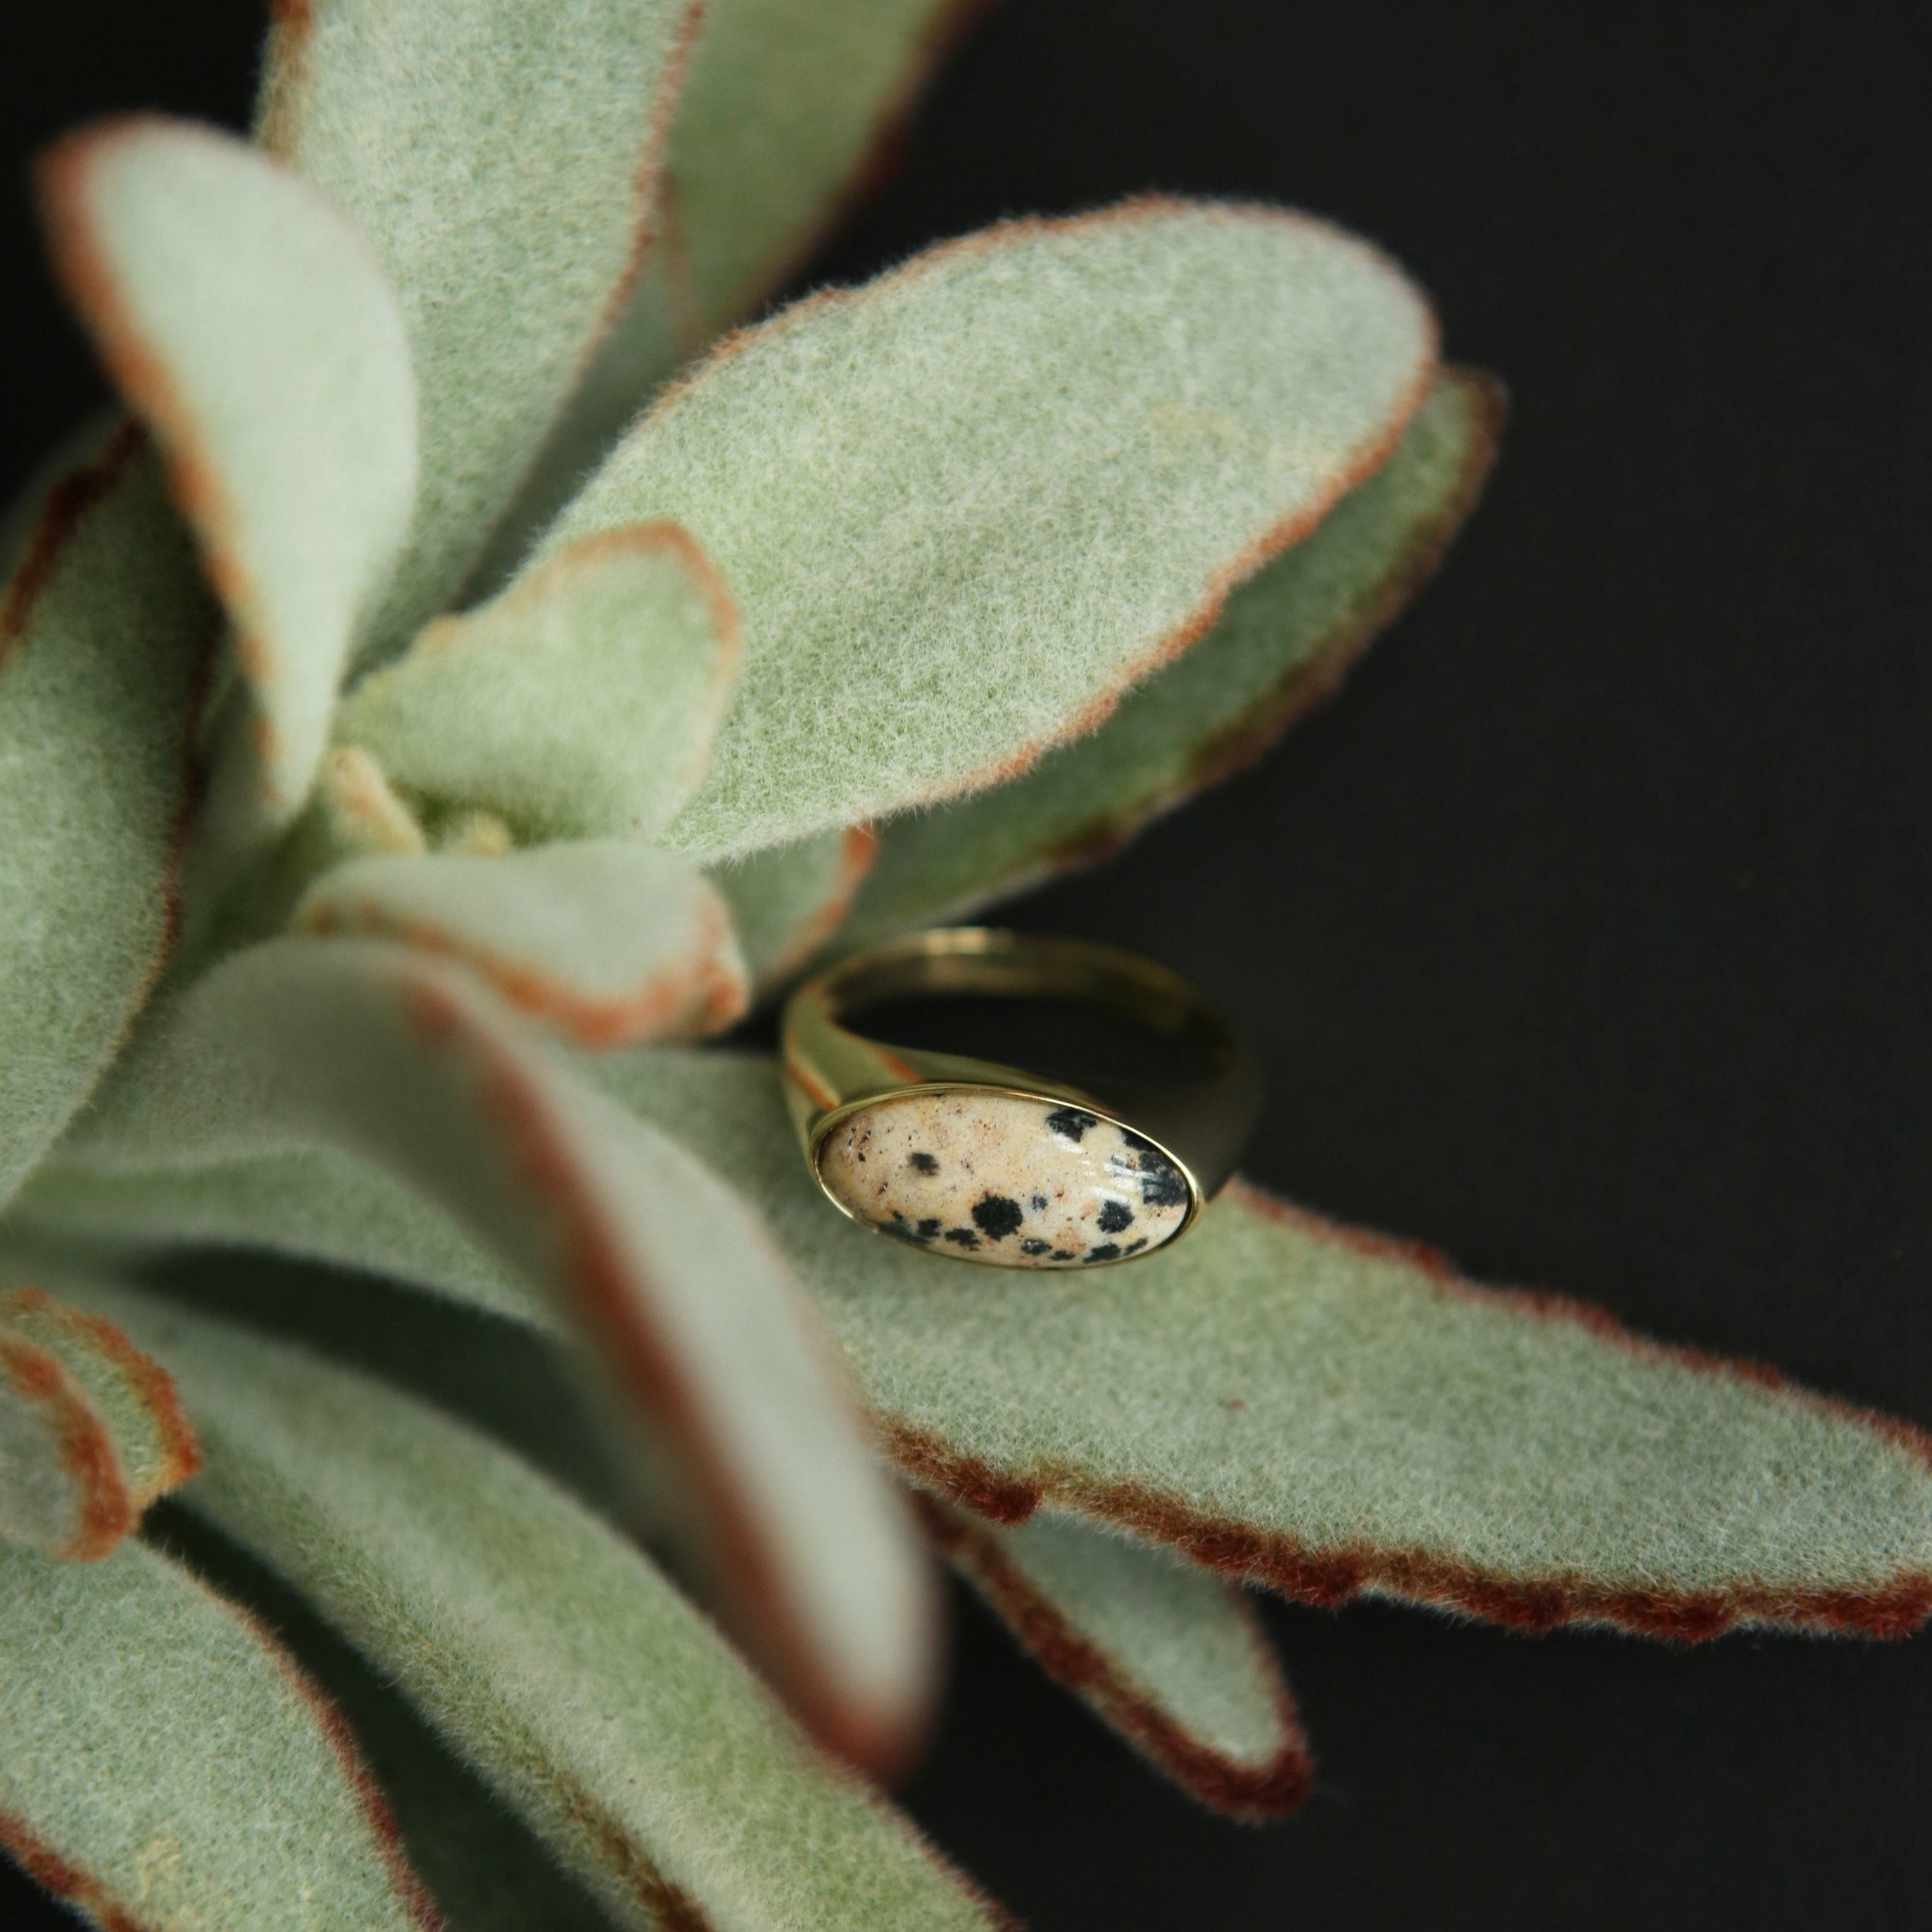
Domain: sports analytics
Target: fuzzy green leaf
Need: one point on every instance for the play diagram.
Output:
(546, 1650)
(787, 105)
(486, 1869)
(249, 325)
(690, 1321)
(1331, 1413)
(1306, 1405)
(786, 112)
(1173, 1659)
(1286, 640)
(315, 1204)
(788, 901)
(964, 508)
(104, 628)
(163, 1764)
(90, 1431)
(605, 941)
(499, 155)
(581, 704)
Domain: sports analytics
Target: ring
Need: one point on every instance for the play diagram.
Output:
(990, 1163)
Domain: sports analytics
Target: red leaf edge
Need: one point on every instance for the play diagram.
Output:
(874, 170)
(648, 1369)
(859, 848)
(180, 1452)
(1330, 1576)
(1244, 741)
(84, 1442)
(284, 64)
(197, 488)
(1282, 536)
(68, 501)
(705, 999)
(66, 506)
(65, 1880)
(1253, 1793)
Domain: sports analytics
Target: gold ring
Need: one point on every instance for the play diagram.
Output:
(992, 1163)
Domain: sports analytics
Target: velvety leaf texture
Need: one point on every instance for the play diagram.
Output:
(486, 1869)
(1293, 1402)
(788, 104)
(1172, 1658)
(580, 704)
(104, 630)
(962, 509)
(249, 324)
(605, 941)
(61, 1493)
(163, 1764)
(314, 1204)
(1285, 639)
(690, 1321)
(545, 1648)
(1331, 1413)
(782, 119)
(90, 1433)
(499, 154)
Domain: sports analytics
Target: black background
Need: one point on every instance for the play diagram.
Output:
(1585, 934)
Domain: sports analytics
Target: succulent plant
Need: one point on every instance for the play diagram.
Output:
(467, 676)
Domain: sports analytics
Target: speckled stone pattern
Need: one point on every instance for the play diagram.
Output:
(992, 1177)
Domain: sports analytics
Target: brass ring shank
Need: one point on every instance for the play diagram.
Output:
(834, 1071)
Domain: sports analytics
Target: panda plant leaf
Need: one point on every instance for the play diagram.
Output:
(466, 678)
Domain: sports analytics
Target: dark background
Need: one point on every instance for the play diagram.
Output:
(1585, 934)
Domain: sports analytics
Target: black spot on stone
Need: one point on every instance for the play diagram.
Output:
(925, 1162)
(899, 1225)
(1135, 1247)
(1108, 1251)
(1161, 1183)
(1034, 1247)
(929, 1229)
(1070, 1123)
(1061, 1255)
(1114, 1216)
(963, 1237)
(996, 1216)
(1040, 1204)
(1138, 1142)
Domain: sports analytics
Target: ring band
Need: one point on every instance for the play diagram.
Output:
(992, 1163)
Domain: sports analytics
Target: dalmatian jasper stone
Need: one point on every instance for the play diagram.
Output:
(993, 1177)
